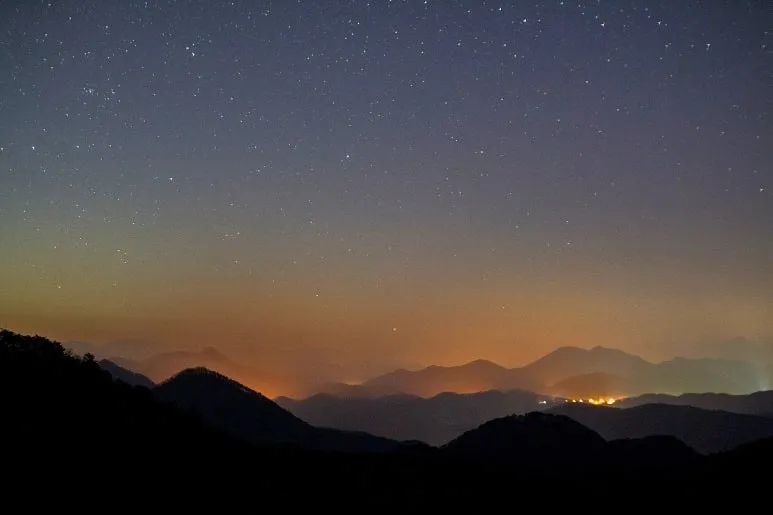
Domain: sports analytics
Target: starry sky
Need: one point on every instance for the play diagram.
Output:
(387, 183)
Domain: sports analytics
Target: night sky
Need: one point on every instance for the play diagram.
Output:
(397, 182)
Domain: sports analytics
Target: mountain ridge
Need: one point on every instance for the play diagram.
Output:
(706, 431)
(252, 417)
(626, 374)
(569, 371)
(124, 374)
(62, 411)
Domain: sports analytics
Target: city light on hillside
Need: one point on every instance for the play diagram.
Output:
(597, 401)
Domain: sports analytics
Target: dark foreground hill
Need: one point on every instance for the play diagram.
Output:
(73, 437)
(531, 439)
(545, 443)
(57, 404)
(704, 430)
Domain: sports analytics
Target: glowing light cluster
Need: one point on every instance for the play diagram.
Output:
(599, 401)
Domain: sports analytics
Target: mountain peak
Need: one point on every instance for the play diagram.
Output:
(210, 392)
(566, 349)
(251, 417)
(204, 376)
(566, 362)
(197, 372)
(597, 350)
(601, 348)
(568, 352)
(483, 363)
(192, 371)
(534, 437)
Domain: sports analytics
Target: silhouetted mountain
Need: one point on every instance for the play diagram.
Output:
(127, 376)
(566, 362)
(67, 424)
(757, 403)
(552, 445)
(476, 376)
(577, 373)
(249, 415)
(67, 409)
(677, 375)
(350, 390)
(533, 439)
(160, 367)
(703, 430)
(539, 376)
(746, 465)
(655, 450)
(407, 417)
(233, 406)
(613, 373)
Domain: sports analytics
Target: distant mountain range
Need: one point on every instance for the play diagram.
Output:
(370, 425)
(62, 412)
(569, 372)
(757, 403)
(274, 370)
(482, 375)
(439, 419)
(408, 417)
(575, 373)
(162, 366)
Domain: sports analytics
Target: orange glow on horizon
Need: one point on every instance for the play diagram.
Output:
(597, 401)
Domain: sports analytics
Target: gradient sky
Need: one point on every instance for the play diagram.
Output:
(401, 182)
